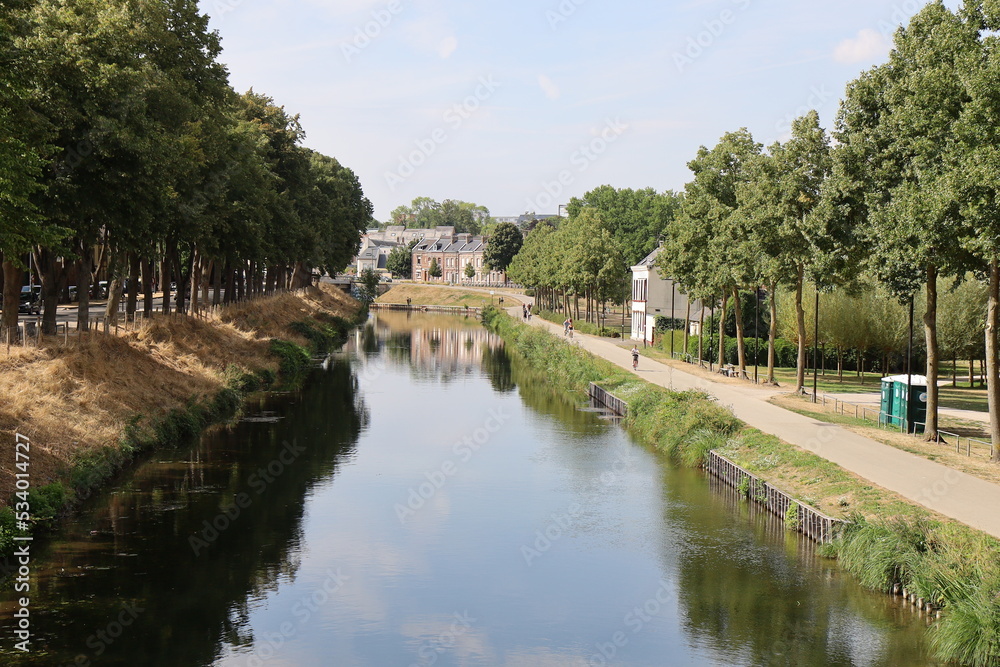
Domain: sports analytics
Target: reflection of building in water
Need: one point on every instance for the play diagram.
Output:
(437, 343)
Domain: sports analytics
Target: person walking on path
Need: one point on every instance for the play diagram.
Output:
(635, 358)
(566, 325)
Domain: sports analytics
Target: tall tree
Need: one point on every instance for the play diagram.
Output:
(635, 218)
(502, 246)
(896, 126)
(789, 238)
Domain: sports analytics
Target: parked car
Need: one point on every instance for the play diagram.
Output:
(31, 300)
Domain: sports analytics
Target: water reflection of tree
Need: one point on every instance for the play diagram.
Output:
(758, 604)
(547, 397)
(497, 366)
(141, 552)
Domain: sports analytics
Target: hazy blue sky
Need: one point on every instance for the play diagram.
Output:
(520, 105)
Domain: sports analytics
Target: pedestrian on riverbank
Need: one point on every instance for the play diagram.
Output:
(566, 323)
(635, 357)
(524, 311)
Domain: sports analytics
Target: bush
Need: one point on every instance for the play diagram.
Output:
(293, 359)
(46, 502)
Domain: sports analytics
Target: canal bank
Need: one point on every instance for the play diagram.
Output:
(88, 409)
(891, 542)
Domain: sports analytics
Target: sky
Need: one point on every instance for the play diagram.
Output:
(521, 105)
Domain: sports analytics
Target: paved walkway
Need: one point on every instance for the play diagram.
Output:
(955, 494)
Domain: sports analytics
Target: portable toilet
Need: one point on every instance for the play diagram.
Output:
(898, 409)
(885, 406)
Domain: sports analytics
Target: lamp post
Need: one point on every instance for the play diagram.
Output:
(756, 332)
(815, 342)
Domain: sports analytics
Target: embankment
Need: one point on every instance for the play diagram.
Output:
(890, 544)
(88, 408)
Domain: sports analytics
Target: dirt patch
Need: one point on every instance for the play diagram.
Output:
(70, 400)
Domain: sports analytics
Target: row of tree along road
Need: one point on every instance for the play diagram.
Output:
(900, 203)
(124, 151)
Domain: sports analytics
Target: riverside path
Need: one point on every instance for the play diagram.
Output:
(939, 488)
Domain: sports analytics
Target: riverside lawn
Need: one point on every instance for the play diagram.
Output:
(888, 541)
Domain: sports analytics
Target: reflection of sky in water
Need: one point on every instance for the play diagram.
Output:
(432, 531)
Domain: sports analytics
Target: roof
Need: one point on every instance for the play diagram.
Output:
(915, 380)
(650, 258)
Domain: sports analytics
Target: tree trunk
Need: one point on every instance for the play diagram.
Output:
(196, 262)
(207, 280)
(146, 269)
(165, 282)
(800, 321)
(12, 277)
(740, 349)
(972, 373)
(930, 335)
(133, 285)
(687, 324)
(114, 288)
(48, 272)
(83, 285)
(722, 329)
(701, 334)
(180, 277)
(772, 332)
(992, 360)
(217, 283)
(840, 364)
(272, 274)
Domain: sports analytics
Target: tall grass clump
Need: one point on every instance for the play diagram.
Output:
(685, 426)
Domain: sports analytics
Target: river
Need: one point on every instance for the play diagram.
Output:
(424, 499)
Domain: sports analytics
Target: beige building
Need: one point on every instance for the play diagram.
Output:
(453, 254)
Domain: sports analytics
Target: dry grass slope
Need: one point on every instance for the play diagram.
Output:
(73, 400)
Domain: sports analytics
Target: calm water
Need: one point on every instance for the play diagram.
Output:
(425, 499)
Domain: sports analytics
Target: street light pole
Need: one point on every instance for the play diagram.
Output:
(815, 342)
(756, 332)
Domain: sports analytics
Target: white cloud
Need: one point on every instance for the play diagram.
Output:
(447, 46)
(550, 89)
(866, 46)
